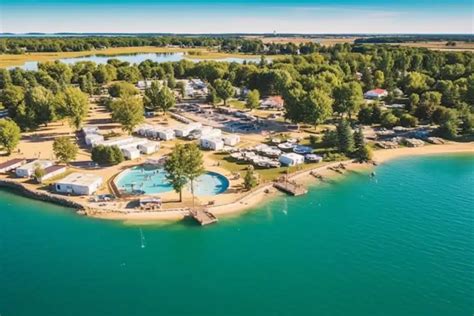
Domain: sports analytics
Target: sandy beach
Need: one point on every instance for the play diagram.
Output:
(266, 192)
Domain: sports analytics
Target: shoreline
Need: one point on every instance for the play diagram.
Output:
(253, 198)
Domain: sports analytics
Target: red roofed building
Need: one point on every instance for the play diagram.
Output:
(273, 102)
(376, 94)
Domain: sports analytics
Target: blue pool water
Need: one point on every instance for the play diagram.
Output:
(152, 180)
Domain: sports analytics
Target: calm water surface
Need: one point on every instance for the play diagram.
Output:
(135, 59)
(400, 244)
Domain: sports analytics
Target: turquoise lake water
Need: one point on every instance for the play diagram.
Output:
(152, 180)
(135, 58)
(399, 244)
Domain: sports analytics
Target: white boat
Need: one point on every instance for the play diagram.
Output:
(299, 149)
(313, 158)
(286, 146)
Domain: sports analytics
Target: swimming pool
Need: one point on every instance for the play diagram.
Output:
(152, 180)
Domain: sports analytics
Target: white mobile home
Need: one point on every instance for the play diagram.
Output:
(79, 184)
(116, 141)
(166, 134)
(87, 130)
(149, 148)
(28, 169)
(51, 172)
(130, 152)
(92, 139)
(231, 140)
(212, 143)
(291, 159)
(209, 132)
(12, 164)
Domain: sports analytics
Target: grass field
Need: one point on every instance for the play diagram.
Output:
(8, 60)
(460, 46)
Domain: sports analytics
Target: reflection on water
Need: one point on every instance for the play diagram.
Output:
(135, 58)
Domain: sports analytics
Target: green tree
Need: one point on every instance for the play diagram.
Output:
(379, 78)
(362, 152)
(224, 90)
(348, 98)
(166, 99)
(128, 111)
(194, 164)
(5, 79)
(107, 155)
(317, 107)
(175, 167)
(40, 101)
(212, 97)
(389, 120)
(345, 139)
(64, 149)
(74, 105)
(38, 173)
(9, 135)
(121, 89)
(253, 99)
(449, 123)
(250, 180)
(407, 120)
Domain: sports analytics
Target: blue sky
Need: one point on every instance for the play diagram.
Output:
(238, 16)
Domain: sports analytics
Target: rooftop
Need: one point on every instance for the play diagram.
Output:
(78, 178)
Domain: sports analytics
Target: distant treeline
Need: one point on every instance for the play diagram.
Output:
(416, 38)
(20, 45)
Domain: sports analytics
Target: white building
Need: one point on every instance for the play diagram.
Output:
(51, 172)
(291, 159)
(79, 184)
(130, 152)
(231, 140)
(12, 164)
(27, 170)
(149, 148)
(211, 143)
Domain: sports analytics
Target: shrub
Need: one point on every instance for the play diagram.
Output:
(407, 120)
(107, 155)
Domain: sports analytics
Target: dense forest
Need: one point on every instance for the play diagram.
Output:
(324, 83)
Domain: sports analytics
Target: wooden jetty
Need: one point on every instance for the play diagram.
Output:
(291, 188)
(203, 216)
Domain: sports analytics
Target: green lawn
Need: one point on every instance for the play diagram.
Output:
(265, 174)
(237, 104)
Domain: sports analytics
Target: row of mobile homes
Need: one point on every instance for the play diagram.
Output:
(79, 184)
(11, 165)
(27, 170)
(211, 143)
(51, 172)
(291, 159)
